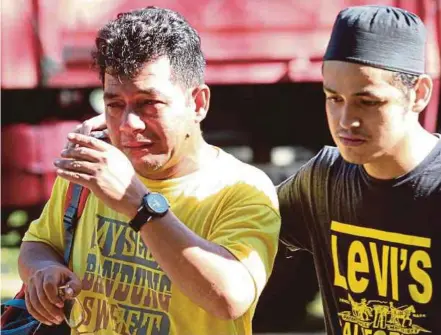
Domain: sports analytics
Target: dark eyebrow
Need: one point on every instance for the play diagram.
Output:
(109, 96)
(327, 89)
(358, 94)
(153, 92)
(366, 94)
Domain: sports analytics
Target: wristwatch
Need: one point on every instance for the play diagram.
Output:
(153, 205)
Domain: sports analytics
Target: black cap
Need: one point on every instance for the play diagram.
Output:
(380, 36)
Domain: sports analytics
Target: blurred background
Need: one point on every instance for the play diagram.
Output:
(267, 108)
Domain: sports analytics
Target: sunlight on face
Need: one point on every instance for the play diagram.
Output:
(367, 115)
(148, 116)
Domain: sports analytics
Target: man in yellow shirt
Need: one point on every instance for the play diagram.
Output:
(177, 236)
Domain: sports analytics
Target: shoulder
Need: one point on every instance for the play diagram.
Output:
(247, 179)
(235, 170)
(325, 158)
(318, 167)
(59, 189)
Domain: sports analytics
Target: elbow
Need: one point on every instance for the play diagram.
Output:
(232, 307)
(230, 313)
(236, 296)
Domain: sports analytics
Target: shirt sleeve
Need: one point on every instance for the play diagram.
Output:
(294, 233)
(49, 228)
(248, 226)
(302, 198)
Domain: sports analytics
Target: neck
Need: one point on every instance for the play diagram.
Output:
(198, 154)
(404, 157)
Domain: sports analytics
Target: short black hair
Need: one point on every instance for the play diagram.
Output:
(404, 81)
(134, 38)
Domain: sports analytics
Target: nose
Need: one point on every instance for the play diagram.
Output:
(349, 118)
(132, 123)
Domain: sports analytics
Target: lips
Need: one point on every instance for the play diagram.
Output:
(137, 145)
(351, 141)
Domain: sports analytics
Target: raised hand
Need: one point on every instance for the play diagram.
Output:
(103, 169)
(88, 126)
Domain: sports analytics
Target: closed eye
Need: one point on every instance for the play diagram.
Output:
(371, 103)
(334, 99)
(148, 102)
(115, 105)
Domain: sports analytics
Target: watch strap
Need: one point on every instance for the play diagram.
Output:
(142, 217)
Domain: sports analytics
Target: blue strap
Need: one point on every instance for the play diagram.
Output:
(26, 329)
(27, 325)
(19, 303)
(70, 220)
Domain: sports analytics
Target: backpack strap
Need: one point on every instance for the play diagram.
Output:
(76, 198)
(18, 303)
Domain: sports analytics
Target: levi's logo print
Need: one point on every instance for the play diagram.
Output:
(382, 280)
(124, 289)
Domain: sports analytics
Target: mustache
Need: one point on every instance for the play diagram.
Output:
(353, 133)
(140, 137)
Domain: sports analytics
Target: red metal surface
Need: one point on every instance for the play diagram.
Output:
(28, 153)
(24, 189)
(245, 41)
(19, 58)
(33, 148)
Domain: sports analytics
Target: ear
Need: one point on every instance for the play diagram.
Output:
(423, 92)
(201, 99)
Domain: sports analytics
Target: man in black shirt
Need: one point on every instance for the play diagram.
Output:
(370, 210)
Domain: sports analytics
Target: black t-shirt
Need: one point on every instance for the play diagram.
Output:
(376, 243)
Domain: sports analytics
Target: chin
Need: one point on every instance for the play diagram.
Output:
(353, 157)
(149, 164)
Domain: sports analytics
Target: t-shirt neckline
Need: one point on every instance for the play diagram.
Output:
(409, 175)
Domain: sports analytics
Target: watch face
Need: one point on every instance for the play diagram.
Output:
(157, 202)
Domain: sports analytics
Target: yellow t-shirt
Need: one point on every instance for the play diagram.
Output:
(124, 290)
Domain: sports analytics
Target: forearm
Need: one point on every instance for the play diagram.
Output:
(205, 272)
(34, 256)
